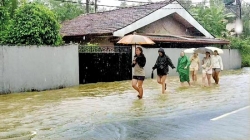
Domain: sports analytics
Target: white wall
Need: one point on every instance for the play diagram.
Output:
(38, 68)
(231, 59)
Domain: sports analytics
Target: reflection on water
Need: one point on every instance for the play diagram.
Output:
(88, 110)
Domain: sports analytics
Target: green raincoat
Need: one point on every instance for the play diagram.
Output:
(183, 73)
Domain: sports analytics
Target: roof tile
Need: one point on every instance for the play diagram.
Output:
(109, 21)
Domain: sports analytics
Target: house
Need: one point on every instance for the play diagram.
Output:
(166, 23)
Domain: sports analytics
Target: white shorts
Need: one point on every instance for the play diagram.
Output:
(207, 71)
(193, 68)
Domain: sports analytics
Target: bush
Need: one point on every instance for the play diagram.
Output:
(244, 47)
(4, 22)
(34, 24)
(90, 48)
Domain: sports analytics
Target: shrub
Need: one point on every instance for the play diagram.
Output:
(34, 24)
(4, 22)
(244, 47)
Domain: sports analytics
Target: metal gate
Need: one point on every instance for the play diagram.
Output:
(104, 64)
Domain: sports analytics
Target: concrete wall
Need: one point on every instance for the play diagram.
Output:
(231, 59)
(38, 68)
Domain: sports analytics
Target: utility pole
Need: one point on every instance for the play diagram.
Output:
(95, 6)
(87, 6)
(238, 2)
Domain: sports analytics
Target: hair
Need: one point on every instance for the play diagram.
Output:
(193, 55)
(216, 52)
(208, 53)
(183, 52)
(140, 51)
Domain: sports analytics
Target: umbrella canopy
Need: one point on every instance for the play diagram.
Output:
(135, 39)
(220, 51)
(203, 50)
(190, 50)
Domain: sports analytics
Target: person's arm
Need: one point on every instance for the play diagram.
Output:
(212, 63)
(156, 64)
(141, 61)
(191, 58)
(133, 63)
(178, 63)
(221, 63)
(203, 63)
(199, 63)
(169, 61)
(188, 62)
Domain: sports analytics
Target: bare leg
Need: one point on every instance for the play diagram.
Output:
(159, 79)
(182, 84)
(140, 82)
(213, 75)
(209, 79)
(203, 79)
(193, 78)
(217, 73)
(134, 84)
(195, 75)
(163, 79)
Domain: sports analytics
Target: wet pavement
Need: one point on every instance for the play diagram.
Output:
(106, 111)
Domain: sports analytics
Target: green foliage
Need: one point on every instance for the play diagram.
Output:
(243, 45)
(246, 20)
(64, 10)
(212, 18)
(4, 22)
(34, 24)
(68, 11)
(9, 5)
(187, 4)
(90, 48)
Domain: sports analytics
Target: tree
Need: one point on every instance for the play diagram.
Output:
(64, 10)
(34, 24)
(9, 5)
(246, 20)
(213, 18)
(4, 22)
(187, 4)
(123, 4)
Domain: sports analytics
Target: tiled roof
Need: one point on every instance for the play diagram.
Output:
(183, 39)
(196, 40)
(109, 21)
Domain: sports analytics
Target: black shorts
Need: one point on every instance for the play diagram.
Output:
(139, 78)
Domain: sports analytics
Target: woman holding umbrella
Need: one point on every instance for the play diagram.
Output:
(139, 72)
(183, 68)
(162, 63)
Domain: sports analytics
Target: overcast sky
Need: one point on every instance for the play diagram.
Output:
(117, 2)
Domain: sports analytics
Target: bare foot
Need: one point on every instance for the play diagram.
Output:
(139, 97)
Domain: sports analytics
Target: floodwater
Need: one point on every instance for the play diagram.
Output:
(112, 111)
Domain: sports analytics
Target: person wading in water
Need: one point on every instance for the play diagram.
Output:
(162, 63)
(194, 66)
(207, 69)
(217, 67)
(139, 72)
(183, 68)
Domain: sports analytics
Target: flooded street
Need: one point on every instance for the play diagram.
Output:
(109, 111)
